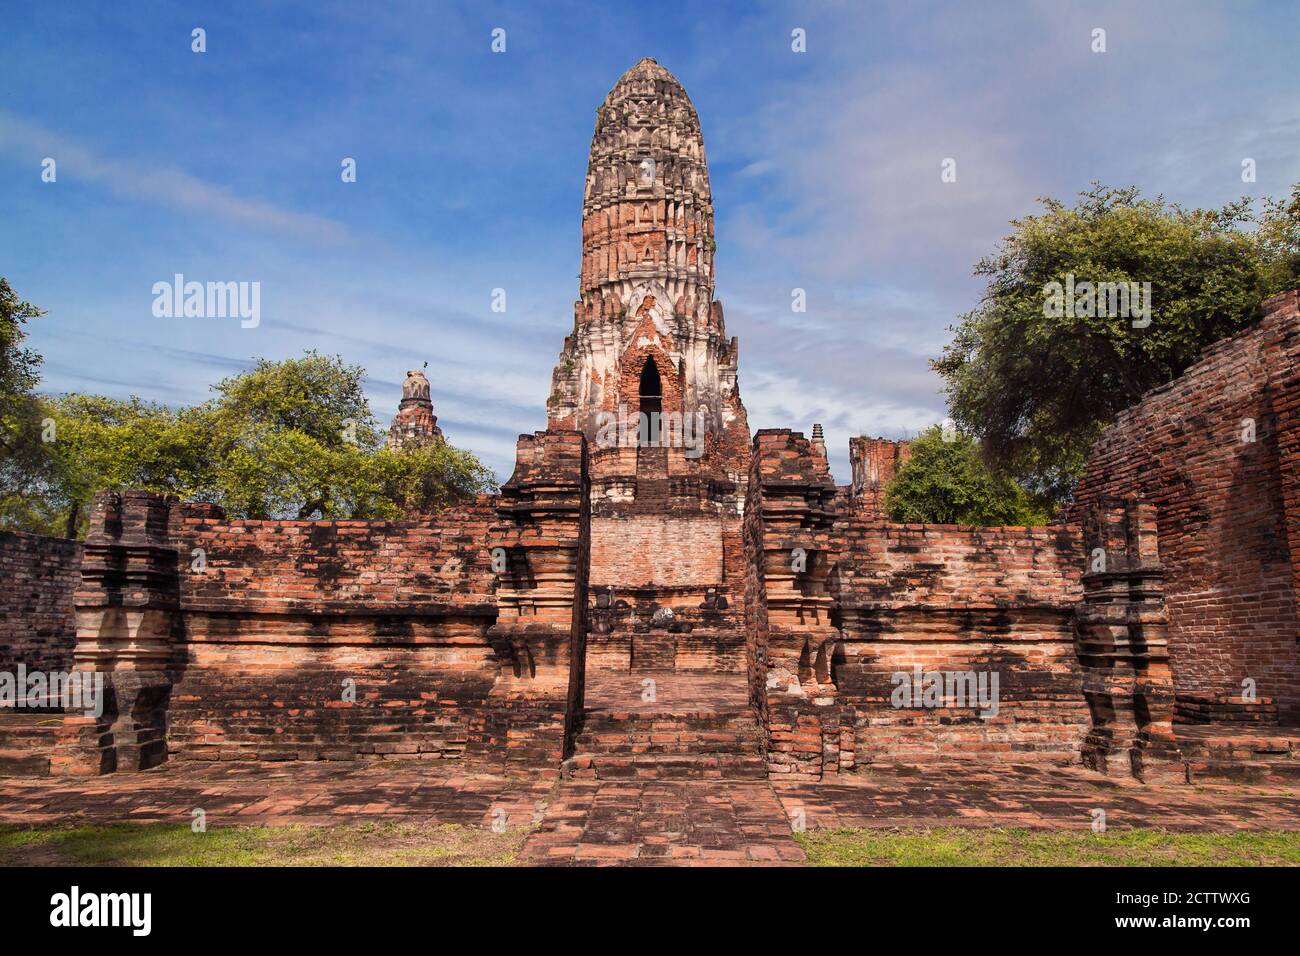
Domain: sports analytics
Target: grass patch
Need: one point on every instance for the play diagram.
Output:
(965, 846)
(355, 844)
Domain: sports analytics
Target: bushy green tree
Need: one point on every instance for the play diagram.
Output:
(946, 481)
(1279, 239)
(1036, 388)
(20, 368)
(419, 480)
(287, 439)
(105, 443)
(28, 476)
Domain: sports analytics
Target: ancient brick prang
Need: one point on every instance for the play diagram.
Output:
(647, 211)
(648, 337)
(414, 424)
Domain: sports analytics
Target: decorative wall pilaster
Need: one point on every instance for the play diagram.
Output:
(539, 546)
(127, 614)
(1122, 642)
(790, 513)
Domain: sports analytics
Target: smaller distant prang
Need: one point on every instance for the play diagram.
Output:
(414, 425)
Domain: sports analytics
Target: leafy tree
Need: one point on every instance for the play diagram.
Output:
(946, 481)
(284, 436)
(31, 492)
(19, 367)
(417, 480)
(27, 463)
(1279, 238)
(1036, 385)
(287, 439)
(106, 443)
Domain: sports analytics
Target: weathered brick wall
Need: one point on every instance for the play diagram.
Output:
(1228, 509)
(542, 522)
(659, 549)
(847, 601)
(951, 599)
(37, 578)
(283, 623)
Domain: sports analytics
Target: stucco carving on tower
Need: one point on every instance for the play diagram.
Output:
(647, 277)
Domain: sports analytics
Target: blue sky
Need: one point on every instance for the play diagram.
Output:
(825, 170)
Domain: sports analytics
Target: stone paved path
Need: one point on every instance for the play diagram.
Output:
(1034, 797)
(318, 793)
(724, 822)
(649, 822)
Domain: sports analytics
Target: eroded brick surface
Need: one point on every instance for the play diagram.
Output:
(37, 578)
(1217, 451)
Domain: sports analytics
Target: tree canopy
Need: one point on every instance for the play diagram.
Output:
(1036, 382)
(946, 481)
(287, 439)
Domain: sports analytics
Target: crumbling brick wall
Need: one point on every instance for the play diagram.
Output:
(330, 640)
(843, 602)
(874, 462)
(948, 600)
(37, 577)
(541, 530)
(790, 513)
(1228, 507)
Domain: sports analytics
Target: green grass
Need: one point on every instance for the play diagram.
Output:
(357, 844)
(428, 844)
(954, 846)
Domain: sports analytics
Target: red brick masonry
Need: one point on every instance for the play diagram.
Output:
(732, 612)
(467, 634)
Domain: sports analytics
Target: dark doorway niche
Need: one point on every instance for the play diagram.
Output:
(650, 403)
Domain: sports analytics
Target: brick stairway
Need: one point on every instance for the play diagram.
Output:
(1239, 753)
(27, 738)
(653, 653)
(695, 726)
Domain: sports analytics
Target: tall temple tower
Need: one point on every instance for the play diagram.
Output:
(649, 376)
(648, 335)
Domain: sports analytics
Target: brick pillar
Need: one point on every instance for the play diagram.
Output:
(539, 543)
(874, 462)
(126, 609)
(1121, 641)
(789, 516)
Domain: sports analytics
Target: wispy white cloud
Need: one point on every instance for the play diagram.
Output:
(31, 143)
(837, 190)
